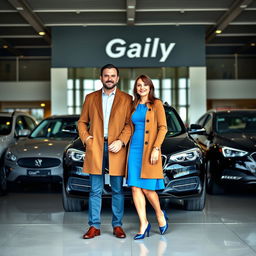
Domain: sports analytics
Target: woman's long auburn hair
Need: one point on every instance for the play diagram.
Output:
(151, 95)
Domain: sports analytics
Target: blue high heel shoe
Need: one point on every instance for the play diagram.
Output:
(142, 236)
(164, 228)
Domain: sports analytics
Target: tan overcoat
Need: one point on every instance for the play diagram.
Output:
(91, 123)
(154, 134)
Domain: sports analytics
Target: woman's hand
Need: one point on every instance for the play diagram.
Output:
(154, 156)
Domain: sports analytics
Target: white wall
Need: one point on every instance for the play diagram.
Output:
(25, 91)
(59, 77)
(231, 89)
(197, 76)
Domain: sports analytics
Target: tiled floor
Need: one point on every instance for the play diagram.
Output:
(34, 223)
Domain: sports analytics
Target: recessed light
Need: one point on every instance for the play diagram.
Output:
(41, 33)
(5, 46)
(253, 44)
(42, 104)
(218, 31)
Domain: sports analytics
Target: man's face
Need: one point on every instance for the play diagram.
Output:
(109, 78)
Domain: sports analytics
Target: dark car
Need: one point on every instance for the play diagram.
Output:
(230, 147)
(183, 165)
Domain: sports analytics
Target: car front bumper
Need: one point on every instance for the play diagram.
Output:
(15, 173)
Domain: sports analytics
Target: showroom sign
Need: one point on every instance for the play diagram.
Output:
(137, 46)
(118, 48)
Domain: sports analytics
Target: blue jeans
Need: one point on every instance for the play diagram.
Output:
(95, 197)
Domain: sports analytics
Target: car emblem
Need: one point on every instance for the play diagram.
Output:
(38, 162)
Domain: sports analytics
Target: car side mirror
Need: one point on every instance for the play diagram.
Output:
(196, 129)
(24, 133)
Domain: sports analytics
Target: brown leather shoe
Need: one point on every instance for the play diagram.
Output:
(91, 233)
(118, 232)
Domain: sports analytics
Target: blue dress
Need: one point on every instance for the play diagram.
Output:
(136, 153)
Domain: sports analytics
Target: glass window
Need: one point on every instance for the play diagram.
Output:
(19, 125)
(5, 125)
(54, 128)
(30, 124)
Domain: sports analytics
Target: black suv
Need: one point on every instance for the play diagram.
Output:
(183, 166)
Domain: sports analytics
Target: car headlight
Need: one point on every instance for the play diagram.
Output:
(76, 155)
(10, 156)
(184, 156)
(232, 152)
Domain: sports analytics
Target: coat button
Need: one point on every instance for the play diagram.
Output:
(147, 120)
(147, 131)
(149, 109)
(146, 143)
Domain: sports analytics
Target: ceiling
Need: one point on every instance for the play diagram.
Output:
(22, 20)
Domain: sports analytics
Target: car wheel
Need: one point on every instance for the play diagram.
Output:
(198, 203)
(212, 186)
(3, 181)
(71, 204)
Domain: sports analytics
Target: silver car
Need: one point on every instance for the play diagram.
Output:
(39, 156)
(12, 127)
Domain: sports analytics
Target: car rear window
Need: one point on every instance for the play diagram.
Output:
(5, 125)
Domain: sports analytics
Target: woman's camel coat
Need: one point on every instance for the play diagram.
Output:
(91, 123)
(155, 130)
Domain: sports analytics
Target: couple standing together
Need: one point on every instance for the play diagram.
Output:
(109, 120)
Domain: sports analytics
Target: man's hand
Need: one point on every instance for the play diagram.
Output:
(115, 146)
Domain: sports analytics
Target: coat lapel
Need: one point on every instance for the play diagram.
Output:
(98, 103)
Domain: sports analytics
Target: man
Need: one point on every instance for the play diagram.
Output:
(104, 129)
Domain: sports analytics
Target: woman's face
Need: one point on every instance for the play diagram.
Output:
(142, 88)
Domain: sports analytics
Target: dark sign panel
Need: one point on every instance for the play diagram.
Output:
(140, 46)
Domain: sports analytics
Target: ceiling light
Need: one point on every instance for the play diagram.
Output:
(42, 105)
(20, 8)
(243, 6)
(5, 46)
(130, 19)
(218, 31)
(253, 44)
(41, 33)
(131, 6)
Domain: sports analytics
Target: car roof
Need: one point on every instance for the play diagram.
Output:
(231, 111)
(63, 116)
(10, 114)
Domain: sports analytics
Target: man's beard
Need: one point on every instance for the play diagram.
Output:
(109, 87)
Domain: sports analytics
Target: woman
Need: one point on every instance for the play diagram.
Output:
(145, 174)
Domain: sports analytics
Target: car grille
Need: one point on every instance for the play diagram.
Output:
(253, 155)
(79, 184)
(38, 162)
(185, 184)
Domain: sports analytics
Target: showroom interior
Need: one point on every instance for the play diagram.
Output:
(200, 55)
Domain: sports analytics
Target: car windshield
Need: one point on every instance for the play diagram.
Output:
(241, 122)
(174, 125)
(5, 125)
(58, 128)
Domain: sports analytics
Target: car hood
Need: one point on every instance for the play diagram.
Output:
(39, 147)
(177, 144)
(238, 140)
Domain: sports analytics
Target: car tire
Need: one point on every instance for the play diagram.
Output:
(198, 203)
(212, 187)
(3, 181)
(71, 204)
